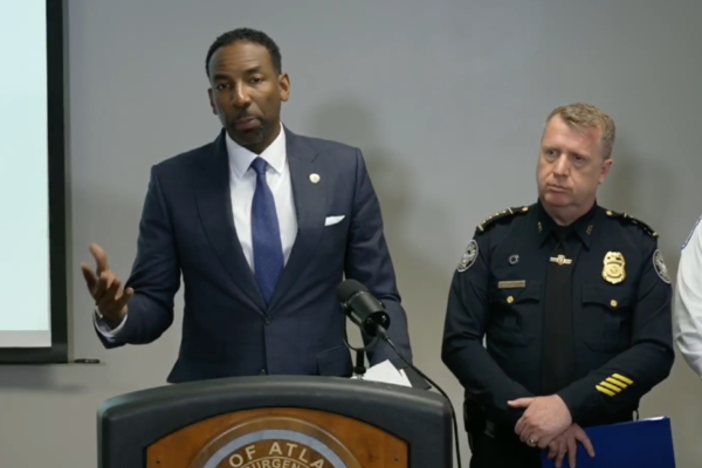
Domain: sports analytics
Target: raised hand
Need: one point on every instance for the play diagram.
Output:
(106, 287)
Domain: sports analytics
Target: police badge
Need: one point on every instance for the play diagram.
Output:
(469, 256)
(659, 266)
(614, 270)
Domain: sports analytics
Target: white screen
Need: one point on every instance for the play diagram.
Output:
(25, 316)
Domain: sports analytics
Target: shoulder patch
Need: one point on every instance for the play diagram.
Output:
(692, 231)
(635, 221)
(659, 266)
(509, 212)
(469, 256)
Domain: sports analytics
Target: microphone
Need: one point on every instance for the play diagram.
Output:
(366, 311)
(363, 309)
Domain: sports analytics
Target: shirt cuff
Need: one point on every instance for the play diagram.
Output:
(104, 328)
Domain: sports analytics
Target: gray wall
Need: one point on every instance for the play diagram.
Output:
(446, 98)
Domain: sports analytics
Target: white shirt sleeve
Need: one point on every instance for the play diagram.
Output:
(104, 329)
(687, 305)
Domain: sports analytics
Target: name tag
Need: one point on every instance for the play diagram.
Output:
(511, 284)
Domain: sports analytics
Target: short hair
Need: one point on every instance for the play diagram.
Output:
(580, 115)
(246, 35)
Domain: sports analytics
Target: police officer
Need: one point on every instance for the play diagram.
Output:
(687, 306)
(574, 301)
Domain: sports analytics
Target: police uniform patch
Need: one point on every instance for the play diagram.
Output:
(469, 256)
(659, 266)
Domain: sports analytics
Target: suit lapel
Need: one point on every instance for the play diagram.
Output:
(214, 203)
(310, 206)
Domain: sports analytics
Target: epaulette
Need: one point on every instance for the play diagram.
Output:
(482, 227)
(637, 222)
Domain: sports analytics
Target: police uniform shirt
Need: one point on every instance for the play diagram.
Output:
(616, 315)
(688, 300)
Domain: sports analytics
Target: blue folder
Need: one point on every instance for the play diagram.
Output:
(647, 443)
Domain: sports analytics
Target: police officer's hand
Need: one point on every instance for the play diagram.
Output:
(568, 443)
(106, 287)
(544, 419)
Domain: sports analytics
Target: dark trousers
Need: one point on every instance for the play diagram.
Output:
(502, 451)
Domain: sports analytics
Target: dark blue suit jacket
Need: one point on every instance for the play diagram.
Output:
(187, 228)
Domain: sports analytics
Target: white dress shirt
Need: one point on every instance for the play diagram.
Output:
(242, 185)
(687, 305)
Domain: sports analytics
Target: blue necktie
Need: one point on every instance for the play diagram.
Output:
(267, 249)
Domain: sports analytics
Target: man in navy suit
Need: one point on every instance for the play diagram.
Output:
(263, 225)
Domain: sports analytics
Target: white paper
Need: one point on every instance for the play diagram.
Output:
(386, 372)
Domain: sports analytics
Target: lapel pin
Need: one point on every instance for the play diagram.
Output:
(314, 178)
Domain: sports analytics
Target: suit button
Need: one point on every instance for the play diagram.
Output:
(267, 321)
(263, 372)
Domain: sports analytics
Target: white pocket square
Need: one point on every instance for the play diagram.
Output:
(332, 220)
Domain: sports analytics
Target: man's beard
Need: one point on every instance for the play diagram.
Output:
(249, 137)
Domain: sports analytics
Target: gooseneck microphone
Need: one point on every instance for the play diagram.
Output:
(363, 308)
(366, 311)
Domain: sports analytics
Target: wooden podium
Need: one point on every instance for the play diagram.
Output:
(276, 422)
